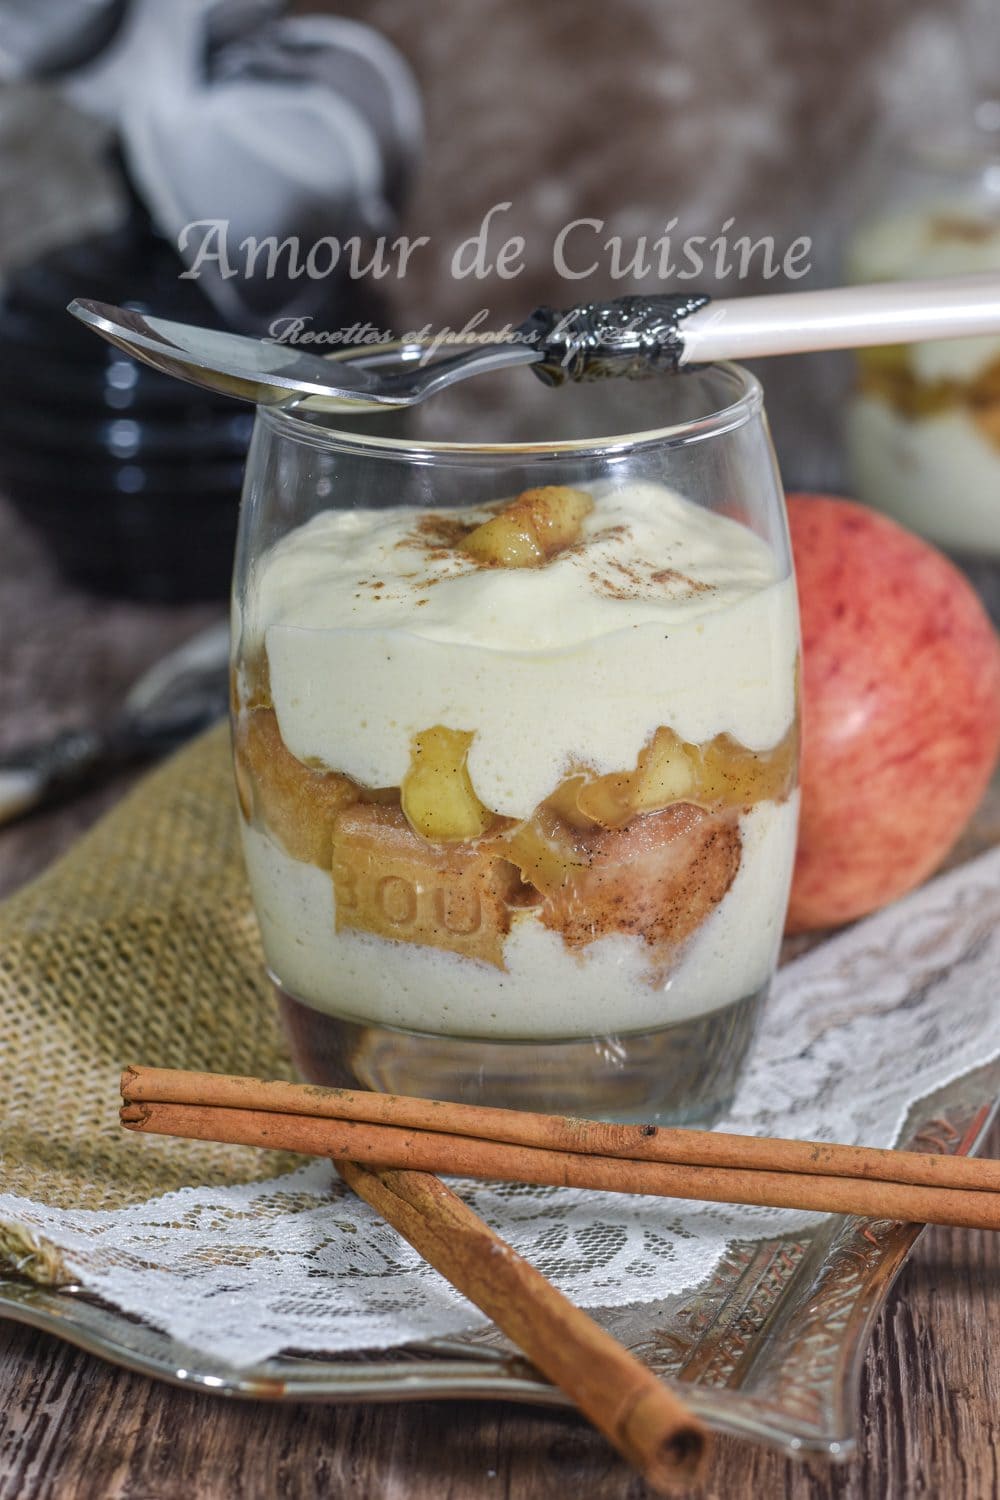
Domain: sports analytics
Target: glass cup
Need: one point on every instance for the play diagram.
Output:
(515, 730)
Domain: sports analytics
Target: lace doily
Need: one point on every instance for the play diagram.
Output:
(854, 1033)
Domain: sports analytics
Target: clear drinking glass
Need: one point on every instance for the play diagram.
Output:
(515, 729)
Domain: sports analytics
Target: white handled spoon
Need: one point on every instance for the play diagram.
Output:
(630, 336)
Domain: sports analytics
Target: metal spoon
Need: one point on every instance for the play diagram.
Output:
(631, 336)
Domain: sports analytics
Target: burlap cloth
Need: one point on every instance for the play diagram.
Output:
(139, 945)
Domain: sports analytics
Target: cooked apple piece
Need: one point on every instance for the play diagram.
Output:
(667, 772)
(720, 774)
(532, 529)
(564, 803)
(730, 775)
(437, 793)
(295, 803)
(608, 800)
(507, 541)
(388, 881)
(546, 851)
(724, 778)
(557, 514)
(658, 878)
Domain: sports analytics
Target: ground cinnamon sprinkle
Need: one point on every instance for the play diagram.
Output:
(439, 535)
(436, 531)
(614, 590)
(637, 576)
(671, 575)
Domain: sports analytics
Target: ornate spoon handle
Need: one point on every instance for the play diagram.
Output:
(630, 337)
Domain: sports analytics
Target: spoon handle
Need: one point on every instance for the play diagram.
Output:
(640, 336)
(849, 317)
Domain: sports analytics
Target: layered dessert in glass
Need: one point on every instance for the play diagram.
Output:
(923, 426)
(518, 787)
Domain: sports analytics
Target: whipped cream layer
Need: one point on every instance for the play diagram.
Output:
(664, 614)
(939, 474)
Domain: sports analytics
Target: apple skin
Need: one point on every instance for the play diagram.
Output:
(900, 709)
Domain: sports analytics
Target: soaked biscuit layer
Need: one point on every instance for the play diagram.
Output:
(648, 852)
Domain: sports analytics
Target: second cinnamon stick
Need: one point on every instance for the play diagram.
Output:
(463, 1156)
(703, 1148)
(624, 1399)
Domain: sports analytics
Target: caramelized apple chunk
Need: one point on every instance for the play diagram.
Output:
(532, 529)
(546, 850)
(297, 804)
(732, 776)
(564, 804)
(437, 795)
(390, 882)
(667, 772)
(719, 774)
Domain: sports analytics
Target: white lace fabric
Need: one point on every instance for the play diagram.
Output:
(854, 1033)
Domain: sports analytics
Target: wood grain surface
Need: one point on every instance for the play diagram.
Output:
(73, 1426)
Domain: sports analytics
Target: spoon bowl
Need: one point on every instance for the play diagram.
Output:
(270, 373)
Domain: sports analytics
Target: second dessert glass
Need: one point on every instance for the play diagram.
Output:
(923, 425)
(515, 730)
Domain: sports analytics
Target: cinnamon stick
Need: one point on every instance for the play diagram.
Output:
(702, 1148)
(467, 1156)
(644, 1420)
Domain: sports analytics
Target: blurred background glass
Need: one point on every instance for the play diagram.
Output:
(923, 426)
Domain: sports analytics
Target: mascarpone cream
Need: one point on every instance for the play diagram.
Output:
(664, 614)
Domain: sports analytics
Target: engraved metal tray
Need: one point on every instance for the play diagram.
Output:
(771, 1348)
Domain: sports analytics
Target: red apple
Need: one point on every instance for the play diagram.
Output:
(900, 709)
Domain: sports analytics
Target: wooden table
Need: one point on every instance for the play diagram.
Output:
(73, 1426)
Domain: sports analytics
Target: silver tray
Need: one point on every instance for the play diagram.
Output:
(772, 1348)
